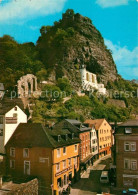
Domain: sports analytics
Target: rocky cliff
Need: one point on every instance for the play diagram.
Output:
(73, 41)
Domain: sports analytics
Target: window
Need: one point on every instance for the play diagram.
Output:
(58, 167)
(66, 137)
(64, 164)
(15, 108)
(133, 165)
(130, 164)
(59, 138)
(126, 163)
(130, 146)
(75, 160)
(65, 180)
(64, 150)
(12, 164)
(12, 152)
(15, 115)
(27, 167)
(76, 148)
(69, 161)
(25, 152)
(1, 132)
(1, 120)
(127, 148)
(128, 130)
(72, 135)
(58, 152)
(133, 146)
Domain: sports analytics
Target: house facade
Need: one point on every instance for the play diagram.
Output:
(51, 155)
(83, 133)
(93, 142)
(126, 154)
(104, 133)
(10, 117)
(89, 81)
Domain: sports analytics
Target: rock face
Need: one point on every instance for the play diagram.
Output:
(74, 41)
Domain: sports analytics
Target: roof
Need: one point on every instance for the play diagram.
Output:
(97, 123)
(78, 126)
(73, 121)
(7, 104)
(36, 135)
(130, 123)
(29, 135)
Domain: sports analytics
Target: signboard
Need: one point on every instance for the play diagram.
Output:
(61, 172)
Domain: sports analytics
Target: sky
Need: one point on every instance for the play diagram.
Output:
(115, 19)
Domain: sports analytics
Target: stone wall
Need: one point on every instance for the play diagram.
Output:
(29, 188)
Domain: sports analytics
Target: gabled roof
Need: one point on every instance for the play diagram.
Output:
(129, 123)
(36, 135)
(29, 135)
(97, 122)
(7, 104)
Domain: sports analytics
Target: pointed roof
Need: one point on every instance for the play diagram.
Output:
(30, 135)
(36, 135)
(97, 122)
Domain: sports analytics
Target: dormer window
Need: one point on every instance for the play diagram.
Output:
(15, 108)
(72, 135)
(128, 130)
(66, 137)
(59, 138)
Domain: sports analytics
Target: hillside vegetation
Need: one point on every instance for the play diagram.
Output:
(59, 51)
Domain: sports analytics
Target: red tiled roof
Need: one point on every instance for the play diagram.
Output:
(97, 122)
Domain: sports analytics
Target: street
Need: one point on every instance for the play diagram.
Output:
(89, 184)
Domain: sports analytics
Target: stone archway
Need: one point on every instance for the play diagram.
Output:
(27, 85)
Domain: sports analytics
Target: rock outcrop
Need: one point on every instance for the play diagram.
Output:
(74, 41)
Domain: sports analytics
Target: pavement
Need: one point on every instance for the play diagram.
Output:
(89, 184)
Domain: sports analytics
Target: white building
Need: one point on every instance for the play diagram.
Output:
(94, 142)
(10, 118)
(1, 90)
(89, 81)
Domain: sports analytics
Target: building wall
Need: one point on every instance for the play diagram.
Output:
(94, 142)
(10, 128)
(73, 168)
(126, 177)
(85, 145)
(104, 138)
(30, 187)
(40, 166)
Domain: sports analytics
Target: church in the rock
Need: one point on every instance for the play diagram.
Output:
(89, 81)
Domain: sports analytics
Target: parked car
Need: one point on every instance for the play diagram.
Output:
(130, 192)
(104, 177)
